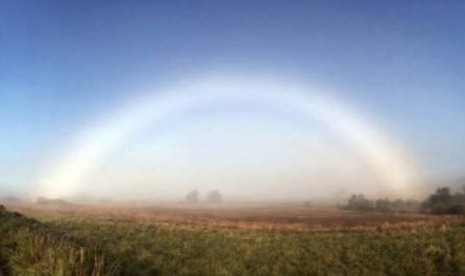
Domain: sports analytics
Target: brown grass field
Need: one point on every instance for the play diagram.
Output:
(280, 216)
(226, 239)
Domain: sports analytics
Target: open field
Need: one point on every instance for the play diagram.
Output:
(264, 216)
(249, 239)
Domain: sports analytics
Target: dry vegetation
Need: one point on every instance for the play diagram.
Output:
(246, 239)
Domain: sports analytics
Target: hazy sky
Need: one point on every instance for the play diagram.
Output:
(65, 65)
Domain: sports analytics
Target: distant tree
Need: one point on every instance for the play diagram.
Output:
(214, 197)
(438, 202)
(192, 196)
(442, 202)
(359, 203)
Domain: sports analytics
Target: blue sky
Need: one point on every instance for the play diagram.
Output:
(65, 63)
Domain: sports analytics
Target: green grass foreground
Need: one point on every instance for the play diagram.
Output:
(141, 247)
(28, 247)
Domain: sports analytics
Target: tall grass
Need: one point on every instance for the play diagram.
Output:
(145, 247)
(30, 248)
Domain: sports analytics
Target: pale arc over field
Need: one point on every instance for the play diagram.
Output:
(392, 165)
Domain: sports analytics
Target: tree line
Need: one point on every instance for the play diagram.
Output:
(440, 202)
(363, 204)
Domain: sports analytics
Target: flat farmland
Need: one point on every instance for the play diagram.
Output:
(270, 216)
(250, 239)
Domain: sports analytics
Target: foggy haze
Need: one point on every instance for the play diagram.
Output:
(287, 102)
